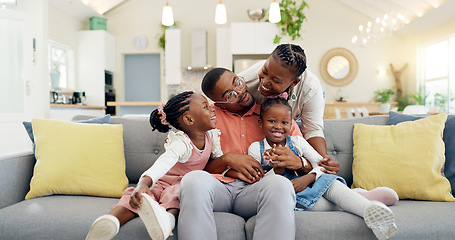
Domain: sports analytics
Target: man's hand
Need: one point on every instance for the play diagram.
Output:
(329, 165)
(246, 165)
(235, 174)
(302, 182)
(284, 157)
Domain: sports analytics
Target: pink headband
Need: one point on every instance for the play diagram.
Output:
(163, 115)
(283, 95)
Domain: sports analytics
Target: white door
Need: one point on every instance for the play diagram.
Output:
(15, 101)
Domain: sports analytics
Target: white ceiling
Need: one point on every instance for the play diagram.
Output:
(85, 9)
(421, 14)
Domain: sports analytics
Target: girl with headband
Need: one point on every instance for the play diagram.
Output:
(188, 148)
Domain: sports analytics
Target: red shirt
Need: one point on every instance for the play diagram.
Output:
(239, 132)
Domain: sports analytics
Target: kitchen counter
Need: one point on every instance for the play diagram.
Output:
(76, 106)
(134, 108)
(133, 104)
(68, 111)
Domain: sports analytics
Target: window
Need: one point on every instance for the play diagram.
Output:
(439, 75)
(58, 65)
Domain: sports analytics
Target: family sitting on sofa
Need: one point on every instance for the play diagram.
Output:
(268, 168)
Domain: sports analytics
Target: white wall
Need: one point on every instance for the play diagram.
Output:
(42, 23)
(13, 137)
(63, 29)
(329, 24)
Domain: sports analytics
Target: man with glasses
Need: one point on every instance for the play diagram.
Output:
(271, 199)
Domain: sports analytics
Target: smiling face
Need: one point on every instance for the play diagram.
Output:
(275, 78)
(276, 124)
(224, 86)
(202, 115)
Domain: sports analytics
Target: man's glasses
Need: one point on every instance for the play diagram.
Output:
(232, 97)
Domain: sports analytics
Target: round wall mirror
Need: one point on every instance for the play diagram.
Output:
(338, 67)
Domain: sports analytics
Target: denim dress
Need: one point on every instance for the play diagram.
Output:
(311, 194)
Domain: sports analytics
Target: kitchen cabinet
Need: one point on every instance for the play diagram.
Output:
(173, 56)
(252, 37)
(95, 55)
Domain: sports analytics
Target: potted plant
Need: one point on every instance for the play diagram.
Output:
(420, 97)
(383, 96)
(291, 19)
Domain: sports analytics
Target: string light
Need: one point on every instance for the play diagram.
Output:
(374, 31)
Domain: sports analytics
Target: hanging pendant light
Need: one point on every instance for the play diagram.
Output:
(274, 12)
(220, 13)
(167, 19)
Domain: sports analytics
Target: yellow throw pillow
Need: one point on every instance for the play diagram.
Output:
(77, 158)
(406, 157)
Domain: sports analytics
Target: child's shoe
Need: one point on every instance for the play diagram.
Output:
(157, 220)
(385, 195)
(380, 219)
(104, 228)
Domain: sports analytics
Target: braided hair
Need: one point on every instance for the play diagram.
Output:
(291, 56)
(269, 102)
(174, 108)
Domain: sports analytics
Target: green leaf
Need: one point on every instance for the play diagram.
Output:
(277, 39)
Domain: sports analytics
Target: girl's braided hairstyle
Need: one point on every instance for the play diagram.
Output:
(269, 102)
(291, 56)
(174, 108)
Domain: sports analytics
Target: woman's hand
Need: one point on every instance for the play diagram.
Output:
(284, 157)
(250, 169)
(329, 165)
(302, 182)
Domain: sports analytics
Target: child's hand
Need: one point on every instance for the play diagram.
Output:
(267, 154)
(301, 183)
(136, 197)
(284, 157)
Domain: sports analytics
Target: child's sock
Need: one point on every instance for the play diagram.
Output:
(382, 194)
(104, 228)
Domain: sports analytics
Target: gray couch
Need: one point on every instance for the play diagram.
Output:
(70, 217)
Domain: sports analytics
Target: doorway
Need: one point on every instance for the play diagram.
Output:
(142, 78)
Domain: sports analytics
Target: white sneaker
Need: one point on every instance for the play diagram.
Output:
(380, 219)
(156, 219)
(104, 228)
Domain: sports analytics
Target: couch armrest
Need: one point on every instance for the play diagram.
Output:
(16, 170)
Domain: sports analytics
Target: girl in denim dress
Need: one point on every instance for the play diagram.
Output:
(275, 121)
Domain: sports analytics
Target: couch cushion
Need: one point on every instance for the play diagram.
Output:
(406, 157)
(76, 158)
(70, 217)
(449, 141)
(142, 145)
(106, 119)
(414, 220)
(338, 137)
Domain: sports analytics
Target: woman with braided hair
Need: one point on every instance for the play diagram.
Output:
(285, 73)
(155, 198)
